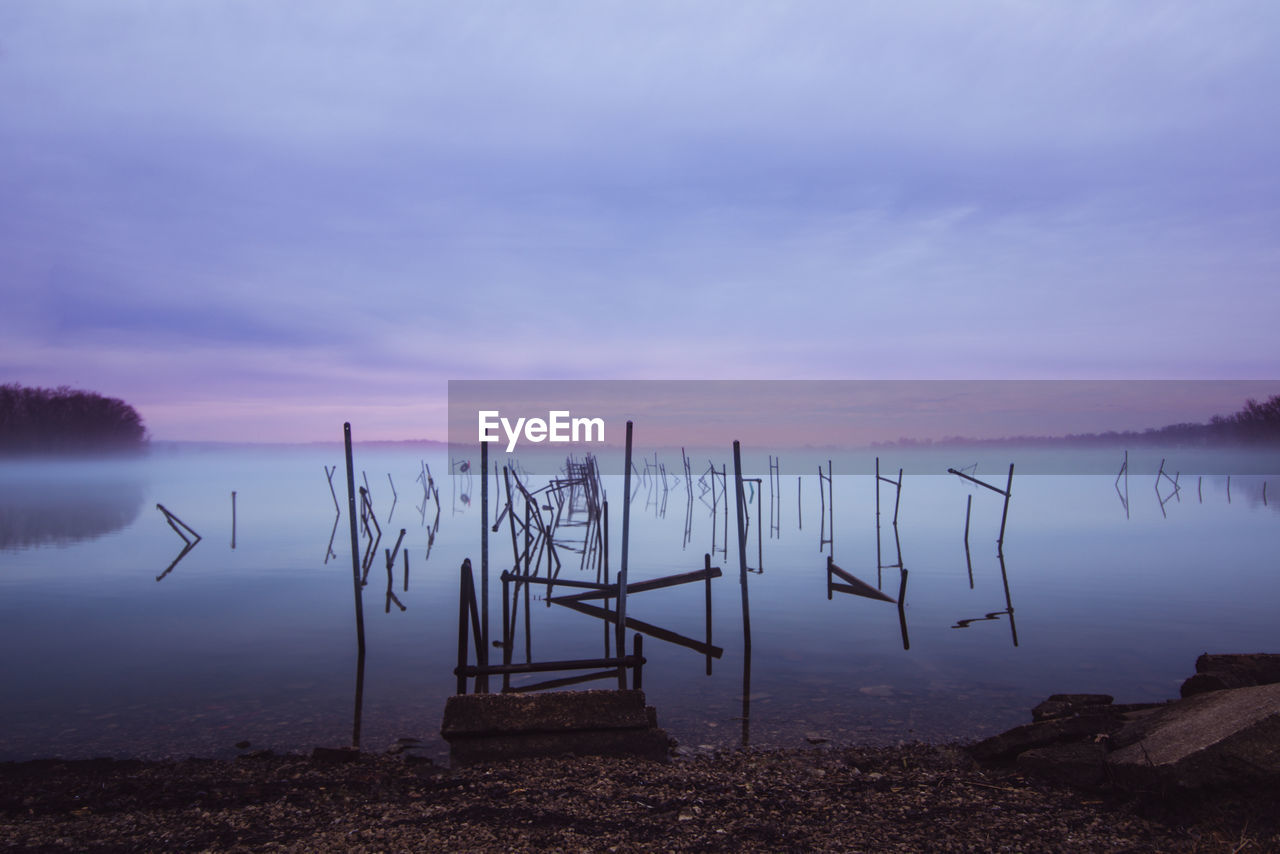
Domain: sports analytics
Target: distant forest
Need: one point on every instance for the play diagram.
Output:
(1255, 423)
(63, 420)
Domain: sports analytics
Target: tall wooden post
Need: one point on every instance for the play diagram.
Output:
(1004, 516)
(355, 536)
(621, 640)
(484, 563)
(742, 543)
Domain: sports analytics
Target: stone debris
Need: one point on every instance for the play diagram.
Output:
(1216, 672)
(1212, 738)
(909, 799)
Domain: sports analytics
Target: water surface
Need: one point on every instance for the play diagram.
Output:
(113, 649)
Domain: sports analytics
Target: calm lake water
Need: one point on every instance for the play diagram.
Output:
(112, 651)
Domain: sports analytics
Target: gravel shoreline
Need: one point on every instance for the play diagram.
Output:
(908, 798)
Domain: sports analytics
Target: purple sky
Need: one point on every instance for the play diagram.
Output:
(257, 220)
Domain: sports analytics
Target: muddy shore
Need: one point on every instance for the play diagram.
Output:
(908, 798)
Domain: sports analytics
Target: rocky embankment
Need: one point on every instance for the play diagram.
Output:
(1224, 731)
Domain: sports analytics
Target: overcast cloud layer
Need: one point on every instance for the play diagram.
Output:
(258, 220)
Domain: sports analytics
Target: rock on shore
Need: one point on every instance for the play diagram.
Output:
(1228, 736)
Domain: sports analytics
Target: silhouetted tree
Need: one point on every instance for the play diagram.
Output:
(62, 420)
(1259, 419)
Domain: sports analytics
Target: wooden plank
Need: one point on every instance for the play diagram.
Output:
(857, 586)
(645, 628)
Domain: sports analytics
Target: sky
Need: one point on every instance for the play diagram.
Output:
(255, 221)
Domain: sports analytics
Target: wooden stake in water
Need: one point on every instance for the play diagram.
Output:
(355, 537)
(233, 519)
(897, 498)
(1004, 515)
(742, 545)
(622, 567)
(706, 564)
(328, 473)
(484, 563)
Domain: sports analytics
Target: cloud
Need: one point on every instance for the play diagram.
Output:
(266, 196)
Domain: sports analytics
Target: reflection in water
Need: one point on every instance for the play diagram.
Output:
(993, 615)
(746, 667)
(897, 500)
(1068, 522)
(391, 565)
(181, 528)
(329, 552)
(64, 510)
(1175, 491)
(168, 569)
(902, 612)
(714, 483)
(373, 536)
(775, 497)
(1124, 475)
(746, 601)
(756, 485)
(826, 511)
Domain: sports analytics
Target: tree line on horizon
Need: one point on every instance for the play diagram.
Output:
(1254, 423)
(65, 420)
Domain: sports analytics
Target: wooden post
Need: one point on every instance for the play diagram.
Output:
(233, 519)
(724, 493)
(484, 561)
(508, 630)
(897, 498)
(879, 557)
(799, 511)
(464, 577)
(706, 564)
(877, 492)
(621, 642)
(1004, 516)
(637, 650)
(742, 544)
(831, 511)
(822, 512)
(355, 537)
